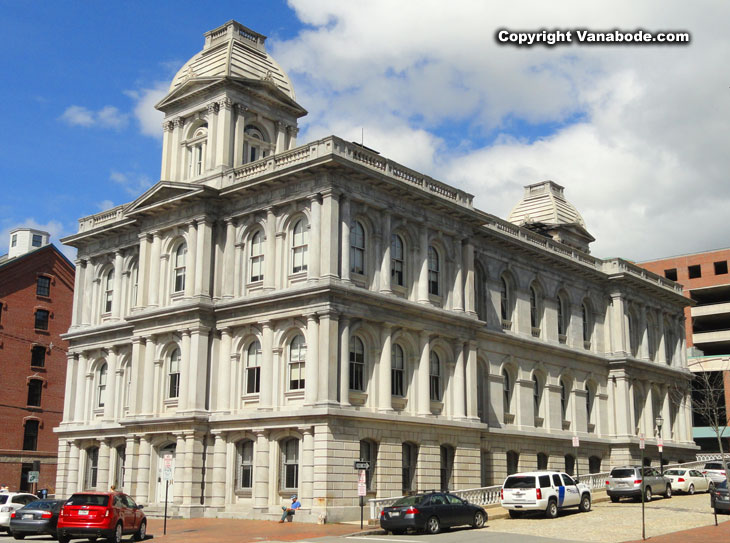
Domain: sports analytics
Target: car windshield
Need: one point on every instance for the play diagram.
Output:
(88, 499)
(674, 472)
(523, 481)
(409, 500)
(713, 465)
(3, 498)
(622, 473)
(45, 505)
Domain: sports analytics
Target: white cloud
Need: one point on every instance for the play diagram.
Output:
(106, 117)
(149, 119)
(133, 183)
(105, 205)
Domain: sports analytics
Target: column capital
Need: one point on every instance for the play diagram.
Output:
(241, 108)
(311, 317)
(260, 433)
(306, 430)
(212, 108)
(137, 340)
(179, 122)
(225, 103)
(227, 330)
(168, 126)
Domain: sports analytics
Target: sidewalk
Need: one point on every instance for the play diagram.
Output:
(241, 531)
(703, 534)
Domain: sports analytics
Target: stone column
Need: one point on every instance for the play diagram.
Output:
(240, 128)
(307, 482)
(623, 403)
(643, 335)
(72, 482)
(345, 240)
(311, 370)
(130, 465)
(239, 281)
(210, 154)
(385, 264)
(328, 236)
(87, 293)
(190, 259)
(182, 400)
(292, 136)
(270, 251)
(143, 470)
(78, 300)
(459, 396)
(280, 137)
(224, 138)
(472, 387)
(110, 400)
(619, 344)
(102, 472)
(661, 353)
(203, 257)
(459, 271)
(228, 258)
(261, 474)
(218, 498)
(175, 168)
(148, 371)
(117, 285)
(424, 392)
(344, 361)
(197, 369)
(314, 238)
(423, 266)
(179, 475)
(224, 372)
(384, 377)
(327, 380)
(154, 266)
(80, 390)
(267, 366)
(469, 289)
(143, 266)
(167, 128)
(68, 396)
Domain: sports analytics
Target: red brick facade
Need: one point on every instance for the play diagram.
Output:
(19, 302)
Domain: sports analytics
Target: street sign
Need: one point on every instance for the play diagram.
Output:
(641, 442)
(361, 464)
(167, 467)
(33, 476)
(576, 441)
(362, 489)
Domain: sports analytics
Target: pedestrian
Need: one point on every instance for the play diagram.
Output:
(289, 511)
(113, 488)
(4, 489)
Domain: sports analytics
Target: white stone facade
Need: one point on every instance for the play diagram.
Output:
(270, 321)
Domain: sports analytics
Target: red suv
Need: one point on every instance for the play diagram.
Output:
(101, 514)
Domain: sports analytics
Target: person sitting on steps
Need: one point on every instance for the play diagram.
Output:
(289, 511)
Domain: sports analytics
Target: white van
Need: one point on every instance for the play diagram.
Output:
(548, 491)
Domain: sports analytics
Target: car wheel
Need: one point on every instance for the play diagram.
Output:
(479, 520)
(140, 534)
(552, 509)
(19, 536)
(668, 492)
(515, 514)
(710, 487)
(585, 503)
(691, 490)
(433, 526)
(117, 536)
(614, 499)
(647, 494)
(63, 539)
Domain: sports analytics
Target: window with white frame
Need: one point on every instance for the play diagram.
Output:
(297, 358)
(173, 374)
(253, 368)
(244, 476)
(435, 377)
(397, 371)
(108, 291)
(255, 144)
(101, 385)
(433, 271)
(179, 267)
(357, 364)
(299, 246)
(397, 260)
(134, 279)
(92, 467)
(196, 146)
(357, 248)
(289, 464)
(506, 391)
(256, 258)
(536, 394)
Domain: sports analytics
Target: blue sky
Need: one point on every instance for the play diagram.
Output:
(638, 135)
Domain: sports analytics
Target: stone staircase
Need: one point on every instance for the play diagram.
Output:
(158, 511)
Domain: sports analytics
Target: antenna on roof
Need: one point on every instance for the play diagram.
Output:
(362, 136)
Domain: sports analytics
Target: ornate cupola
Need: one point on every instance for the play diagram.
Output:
(228, 105)
(545, 210)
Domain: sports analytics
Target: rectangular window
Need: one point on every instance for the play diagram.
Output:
(695, 271)
(671, 274)
(30, 435)
(41, 319)
(14, 240)
(38, 356)
(43, 286)
(37, 240)
(721, 267)
(35, 389)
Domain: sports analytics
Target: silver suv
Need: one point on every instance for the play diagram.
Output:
(628, 482)
(714, 471)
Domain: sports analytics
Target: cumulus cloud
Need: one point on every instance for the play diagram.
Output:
(105, 205)
(106, 117)
(149, 119)
(636, 134)
(133, 183)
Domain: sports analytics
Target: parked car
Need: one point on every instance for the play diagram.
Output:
(714, 471)
(720, 497)
(431, 511)
(689, 480)
(37, 518)
(11, 501)
(101, 514)
(628, 482)
(548, 491)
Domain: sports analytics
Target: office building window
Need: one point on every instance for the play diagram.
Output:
(43, 286)
(41, 319)
(35, 389)
(38, 356)
(30, 435)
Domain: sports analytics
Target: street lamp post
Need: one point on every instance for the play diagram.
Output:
(659, 422)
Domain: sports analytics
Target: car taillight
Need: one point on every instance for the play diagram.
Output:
(704, 473)
(411, 511)
(680, 480)
(46, 514)
(501, 493)
(539, 493)
(637, 481)
(382, 513)
(12, 515)
(608, 482)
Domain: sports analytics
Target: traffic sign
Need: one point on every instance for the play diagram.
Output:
(167, 467)
(362, 487)
(576, 441)
(33, 476)
(641, 441)
(361, 464)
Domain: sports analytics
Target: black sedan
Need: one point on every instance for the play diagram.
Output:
(431, 512)
(37, 518)
(720, 497)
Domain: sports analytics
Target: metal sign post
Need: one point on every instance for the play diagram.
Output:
(643, 486)
(362, 485)
(167, 477)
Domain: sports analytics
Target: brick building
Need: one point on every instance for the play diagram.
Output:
(36, 295)
(706, 281)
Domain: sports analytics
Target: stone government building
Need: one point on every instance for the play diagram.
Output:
(268, 313)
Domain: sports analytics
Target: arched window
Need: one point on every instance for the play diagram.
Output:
(513, 462)
(196, 150)
(127, 383)
(506, 392)
(564, 391)
(594, 464)
(587, 325)
(668, 343)
(244, 477)
(409, 459)
(534, 311)
(369, 454)
(289, 464)
(357, 364)
(397, 371)
(255, 144)
(569, 464)
(435, 375)
(447, 466)
(101, 385)
(563, 319)
(173, 374)
(253, 368)
(357, 248)
(179, 267)
(433, 271)
(297, 357)
(590, 400)
(108, 291)
(134, 280)
(536, 394)
(256, 259)
(633, 336)
(396, 260)
(299, 245)
(505, 303)
(542, 461)
(92, 467)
